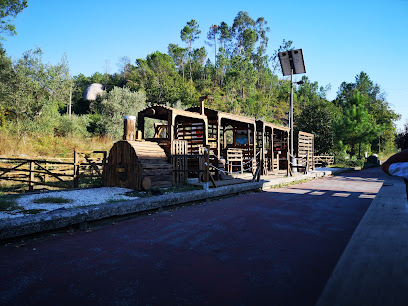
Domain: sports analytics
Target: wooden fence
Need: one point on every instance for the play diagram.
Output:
(320, 160)
(56, 173)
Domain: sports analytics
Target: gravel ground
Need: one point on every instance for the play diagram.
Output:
(85, 197)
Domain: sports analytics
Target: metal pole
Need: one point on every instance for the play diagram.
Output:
(292, 159)
(291, 112)
(379, 149)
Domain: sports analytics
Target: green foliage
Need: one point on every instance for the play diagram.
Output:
(9, 9)
(402, 137)
(179, 56)
(357, 125)
(8, 203)
(342, 162)
(158, 77)
(189, 34)
(32, 93)
(375, 104)
(114, 106)
(74, 126)
(241, 78)
(319, 117)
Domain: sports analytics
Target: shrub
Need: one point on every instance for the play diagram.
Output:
(115, 105)
(343, 162)
(74, 126)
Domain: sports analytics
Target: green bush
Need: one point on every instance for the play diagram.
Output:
(74, 126)
(114, 106)
(343, 162)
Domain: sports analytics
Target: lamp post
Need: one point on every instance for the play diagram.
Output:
(379, 148)
(292, 63)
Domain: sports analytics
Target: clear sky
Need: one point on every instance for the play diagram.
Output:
(339, 38)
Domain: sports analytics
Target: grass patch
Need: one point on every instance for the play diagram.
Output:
(135, 193)
(52, 200)
(8, 203)
(8, 187)
(90, 182)
(291, 183)
(183, 188)
(161, 191)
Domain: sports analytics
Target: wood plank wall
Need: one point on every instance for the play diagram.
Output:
(306, 147)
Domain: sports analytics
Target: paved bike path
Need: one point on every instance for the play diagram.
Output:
(269, 248)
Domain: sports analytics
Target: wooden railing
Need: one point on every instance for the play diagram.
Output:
(320, 160)
(54, 172)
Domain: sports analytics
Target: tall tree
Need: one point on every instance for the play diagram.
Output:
(243, 29)
(158, 77)
(9, 9)
(198, 61)
(179, 56)
(212, 37)
(189, 34)
(402, 137)
(358, 126)
(225, 34)
(260, 58)
(124, 66)
(376, 105)
(317, 116)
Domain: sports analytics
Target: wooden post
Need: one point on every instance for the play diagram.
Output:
(76, 168)
(46, 174)
(140, 124)
(262, 157)
(288, 164)
(307, 162)
(201, 100)
(255, 140)
(207, 164)
(129, 128)
(31, 177)
(104, 162)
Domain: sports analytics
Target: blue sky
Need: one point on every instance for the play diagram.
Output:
(339, 38)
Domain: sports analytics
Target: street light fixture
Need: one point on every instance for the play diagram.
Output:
(292, 63)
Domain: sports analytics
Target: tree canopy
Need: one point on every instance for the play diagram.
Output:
(240, 78)
(9, 9)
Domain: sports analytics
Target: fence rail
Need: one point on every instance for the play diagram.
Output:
(320, 160)
(64, 173)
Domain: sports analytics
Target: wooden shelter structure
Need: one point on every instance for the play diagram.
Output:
(273, 142)
(182, 143)
(228, 131)
(181, 125)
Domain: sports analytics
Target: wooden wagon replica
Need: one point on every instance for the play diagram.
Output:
(140, 163)
(180, 138)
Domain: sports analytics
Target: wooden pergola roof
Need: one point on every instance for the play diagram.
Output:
(213, 114)
(162, 112)
(272, 125)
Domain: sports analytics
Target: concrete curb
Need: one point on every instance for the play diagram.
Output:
(26, 225)
(21, 226)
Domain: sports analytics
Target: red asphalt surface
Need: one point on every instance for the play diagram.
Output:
(267, 248)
